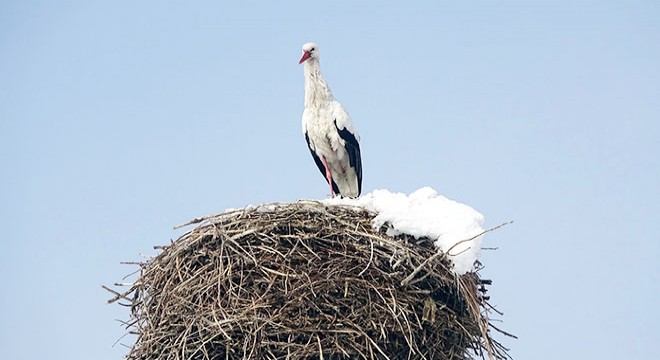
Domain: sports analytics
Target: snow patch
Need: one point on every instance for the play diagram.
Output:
(425, 213)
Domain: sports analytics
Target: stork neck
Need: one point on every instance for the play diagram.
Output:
(317, 91)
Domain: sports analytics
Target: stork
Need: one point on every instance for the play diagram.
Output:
(330, 134)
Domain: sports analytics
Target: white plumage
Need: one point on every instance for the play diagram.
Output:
(331, 136)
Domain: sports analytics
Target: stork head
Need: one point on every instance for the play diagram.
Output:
(310, 51)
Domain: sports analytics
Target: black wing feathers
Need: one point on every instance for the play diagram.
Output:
(353, 148)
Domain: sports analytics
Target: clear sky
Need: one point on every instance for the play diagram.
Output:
(121, 119)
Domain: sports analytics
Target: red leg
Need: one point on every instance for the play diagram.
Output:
(328, 176)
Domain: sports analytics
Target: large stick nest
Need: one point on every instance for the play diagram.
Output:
(304, 281)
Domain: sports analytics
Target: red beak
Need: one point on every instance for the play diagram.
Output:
(306, 55)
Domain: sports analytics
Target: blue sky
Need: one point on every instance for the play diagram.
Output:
(119, 120)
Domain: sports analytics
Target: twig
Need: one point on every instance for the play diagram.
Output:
(117, 295)
(502, 331)
(405, 281)
(371, 257)
(476, 236)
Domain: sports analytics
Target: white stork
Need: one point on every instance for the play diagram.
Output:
(329, 131)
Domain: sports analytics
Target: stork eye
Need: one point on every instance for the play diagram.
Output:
(312, 49)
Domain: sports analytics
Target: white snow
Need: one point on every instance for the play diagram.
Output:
(425, 213)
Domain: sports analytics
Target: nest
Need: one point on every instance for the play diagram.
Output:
(304, 281)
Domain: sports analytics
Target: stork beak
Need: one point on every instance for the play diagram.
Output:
(306, 55)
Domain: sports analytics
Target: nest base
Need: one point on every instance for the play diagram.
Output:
(304, 281)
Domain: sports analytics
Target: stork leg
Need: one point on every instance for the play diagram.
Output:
(328, 176)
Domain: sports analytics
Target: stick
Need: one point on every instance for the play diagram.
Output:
(483, 232)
